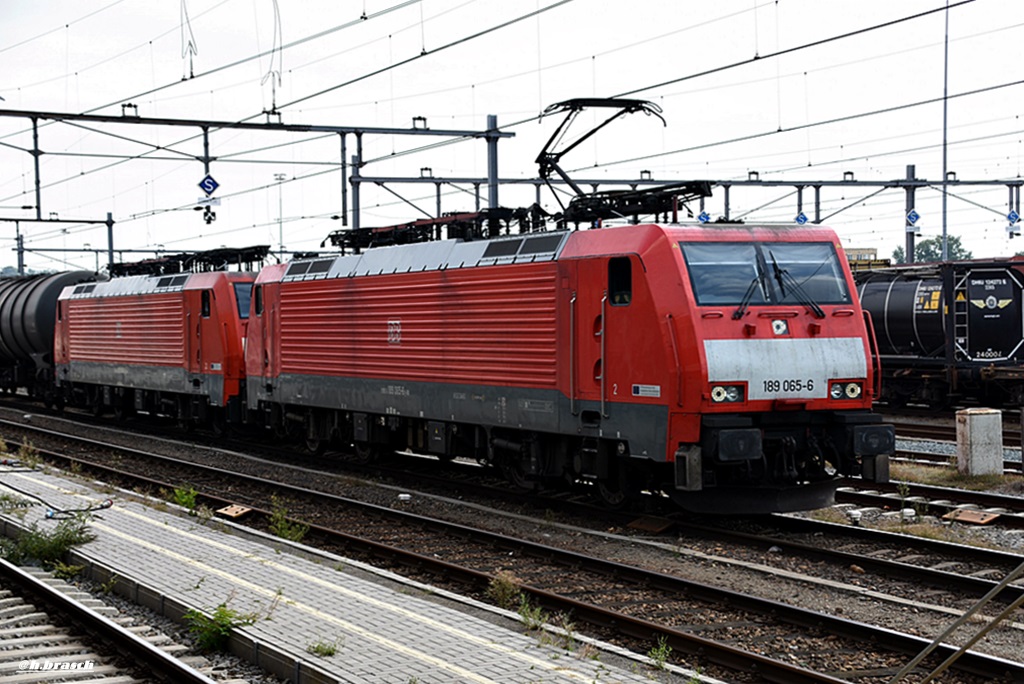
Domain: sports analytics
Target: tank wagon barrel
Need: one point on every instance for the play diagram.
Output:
(27, 320)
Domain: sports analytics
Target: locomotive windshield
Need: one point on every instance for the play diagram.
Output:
(726, 273)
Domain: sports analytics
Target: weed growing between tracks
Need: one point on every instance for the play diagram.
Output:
(28, 455)
(281, 526)
(66, 571)
(659, 654)
(503, 590)
(533, 617)
(185, 497)
(943, 476)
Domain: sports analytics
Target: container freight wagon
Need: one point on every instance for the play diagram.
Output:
(949, 333)
(169, 345)
(643, 357)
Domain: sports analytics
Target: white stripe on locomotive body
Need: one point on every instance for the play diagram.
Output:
(786, 368)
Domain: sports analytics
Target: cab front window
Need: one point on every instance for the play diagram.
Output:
(721, 272)
(752, 273)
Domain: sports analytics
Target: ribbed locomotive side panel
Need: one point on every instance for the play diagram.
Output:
(491, 325)
(144, 331)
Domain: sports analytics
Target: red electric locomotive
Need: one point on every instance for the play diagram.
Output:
(729, 366)
(163, 344)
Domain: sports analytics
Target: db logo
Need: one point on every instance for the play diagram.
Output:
(394, 332)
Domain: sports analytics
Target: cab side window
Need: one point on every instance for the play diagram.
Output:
(257, 293)
(620, 281)
(206, 303)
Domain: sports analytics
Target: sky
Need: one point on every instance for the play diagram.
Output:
(774, 87)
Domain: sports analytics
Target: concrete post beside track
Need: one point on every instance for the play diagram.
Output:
(979, 441)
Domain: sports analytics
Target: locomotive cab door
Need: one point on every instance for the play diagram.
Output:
(198, 319)
(602, 295)
(263, 350)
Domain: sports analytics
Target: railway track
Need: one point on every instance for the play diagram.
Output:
(650, 603)
(1005, 510)
(942, 427)
(49, 632)
(1010, 466)
(957, 569)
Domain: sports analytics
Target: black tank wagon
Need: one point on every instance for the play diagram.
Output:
(949, 333)
(27, 305)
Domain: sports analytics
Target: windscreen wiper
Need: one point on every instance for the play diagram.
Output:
(782, 276)
(757, 280)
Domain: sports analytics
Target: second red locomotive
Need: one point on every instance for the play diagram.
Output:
(163, 344)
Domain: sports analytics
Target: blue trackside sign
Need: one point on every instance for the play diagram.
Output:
(208, 185)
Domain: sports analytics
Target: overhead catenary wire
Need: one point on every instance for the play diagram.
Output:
(111, 58)
(481, 33)
(796, 48)
(451, 44)
(800, 127)
(62, 27)
(734, 65)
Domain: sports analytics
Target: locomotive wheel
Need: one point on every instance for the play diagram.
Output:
(365, 453)
(611, 494)
(514, 473)
(122, 413)
(315, 446)
(218, 425)
(619, 488)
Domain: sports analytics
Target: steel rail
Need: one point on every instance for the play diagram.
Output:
(158, 663)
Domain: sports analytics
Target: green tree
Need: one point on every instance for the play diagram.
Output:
(931, 250)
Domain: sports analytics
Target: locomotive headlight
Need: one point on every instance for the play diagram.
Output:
(845, 390)
(726, 394)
